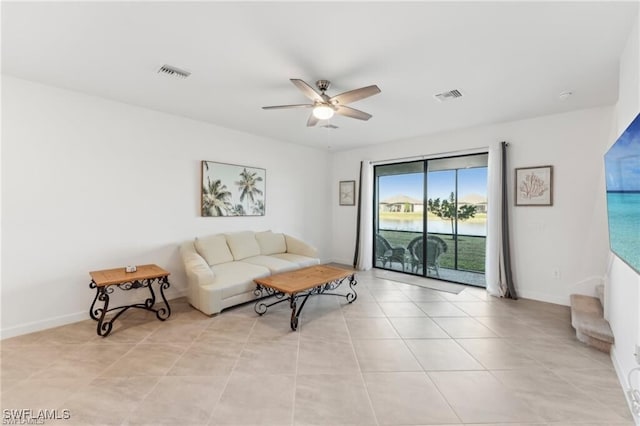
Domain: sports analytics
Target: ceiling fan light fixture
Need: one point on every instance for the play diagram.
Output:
(323, 112)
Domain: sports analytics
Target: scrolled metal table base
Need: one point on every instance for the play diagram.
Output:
(104, 326)
(326, 289)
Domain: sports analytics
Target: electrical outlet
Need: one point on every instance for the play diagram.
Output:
(556, 274)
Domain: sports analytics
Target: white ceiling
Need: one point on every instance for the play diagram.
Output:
(510, 60)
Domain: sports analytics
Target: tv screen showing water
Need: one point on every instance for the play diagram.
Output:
(622, 169)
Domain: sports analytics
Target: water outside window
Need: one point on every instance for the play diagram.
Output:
(431, 218)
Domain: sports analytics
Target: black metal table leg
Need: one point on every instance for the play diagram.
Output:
(163, 313)
(261, 292)
(92, 312)
(352, 295)
(294, 314)
(103, 328)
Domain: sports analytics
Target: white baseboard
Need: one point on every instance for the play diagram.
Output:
(342, 261)
(34, 326)
(544, 297)
(44, 324)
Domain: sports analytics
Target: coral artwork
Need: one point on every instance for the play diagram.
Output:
(534, 186)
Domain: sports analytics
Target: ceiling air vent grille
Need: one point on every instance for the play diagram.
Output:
(447, 96)
(174, 72)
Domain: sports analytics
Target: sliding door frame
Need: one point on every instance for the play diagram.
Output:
(425, 227)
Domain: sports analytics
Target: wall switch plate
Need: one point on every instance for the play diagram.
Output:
(637, 354)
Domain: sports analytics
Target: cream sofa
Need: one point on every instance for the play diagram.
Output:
(221, 268)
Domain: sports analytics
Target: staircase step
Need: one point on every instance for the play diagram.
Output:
(587, 317)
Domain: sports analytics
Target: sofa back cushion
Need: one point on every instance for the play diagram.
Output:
(214, 249)
(243, 244)
(271, 243)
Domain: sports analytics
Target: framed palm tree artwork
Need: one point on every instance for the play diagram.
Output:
(232, 190)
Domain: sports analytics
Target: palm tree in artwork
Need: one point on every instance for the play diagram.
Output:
(248, 186)
(215, 198)
(258, 208)
(238, 210)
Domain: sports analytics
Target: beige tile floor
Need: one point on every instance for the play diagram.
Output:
(400, 355)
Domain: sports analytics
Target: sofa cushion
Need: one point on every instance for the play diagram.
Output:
(243, 244)
(274, 264)
(271, 243)
(237, 277)
(301, 261)
(213, 249)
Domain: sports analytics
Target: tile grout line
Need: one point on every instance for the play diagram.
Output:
(295, 379)
(235, 364)
(153, 388)
(355, 355)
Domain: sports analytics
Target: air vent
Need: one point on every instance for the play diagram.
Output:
(174, 72)
(329, 126)
(447, 96)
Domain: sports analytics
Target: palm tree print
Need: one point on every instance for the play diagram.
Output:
(215, 198)
(248, 186)
(238, 210)
(258, 208)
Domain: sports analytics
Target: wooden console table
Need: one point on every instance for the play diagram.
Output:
(145, 276)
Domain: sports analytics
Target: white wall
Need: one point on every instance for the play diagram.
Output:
(569, 236)
(623, 284)
(89, 184)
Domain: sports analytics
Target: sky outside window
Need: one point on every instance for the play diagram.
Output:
(440, 184)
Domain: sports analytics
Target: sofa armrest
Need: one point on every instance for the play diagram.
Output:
(295, 246)
(196, 268)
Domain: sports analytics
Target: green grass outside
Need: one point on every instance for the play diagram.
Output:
(471, 250)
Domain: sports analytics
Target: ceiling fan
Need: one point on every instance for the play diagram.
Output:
(324, 106)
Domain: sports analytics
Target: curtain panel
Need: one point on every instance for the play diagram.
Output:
(363, 258)
(498, 273)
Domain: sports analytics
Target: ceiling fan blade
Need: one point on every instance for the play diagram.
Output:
(307, 90)
(352, 112)
(287, 106)
(312, 121)
(355, 95)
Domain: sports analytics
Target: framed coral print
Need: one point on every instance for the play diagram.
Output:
(534, 186)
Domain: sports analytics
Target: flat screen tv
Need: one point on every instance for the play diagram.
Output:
(622, 170)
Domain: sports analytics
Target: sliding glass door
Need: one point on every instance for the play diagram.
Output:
(430, 218)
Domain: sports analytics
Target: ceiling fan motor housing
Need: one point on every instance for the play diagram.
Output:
(323, 85)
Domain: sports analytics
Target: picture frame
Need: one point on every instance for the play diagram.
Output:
(347, 193)
(232, 190)
(534, 186)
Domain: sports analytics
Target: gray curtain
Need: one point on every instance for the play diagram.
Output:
(510, 290)
(356, 255)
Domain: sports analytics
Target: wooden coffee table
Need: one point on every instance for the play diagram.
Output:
(302, 283)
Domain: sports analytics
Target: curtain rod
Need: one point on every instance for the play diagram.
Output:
(440, 155)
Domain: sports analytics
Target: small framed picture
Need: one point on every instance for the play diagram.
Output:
(347, 192)
(534, 186)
